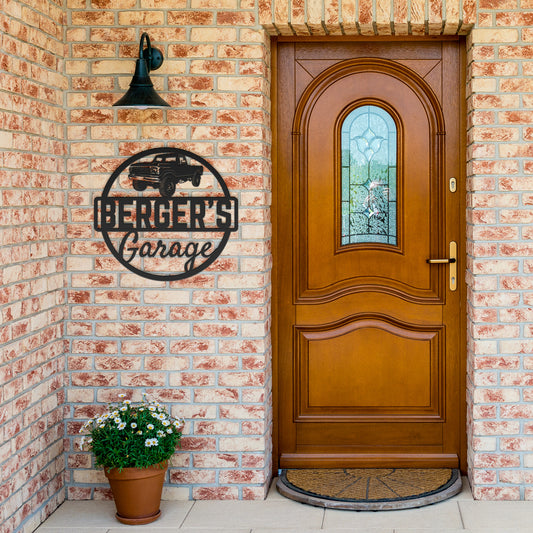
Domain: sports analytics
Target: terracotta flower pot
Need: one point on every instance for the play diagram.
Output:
(137, 492)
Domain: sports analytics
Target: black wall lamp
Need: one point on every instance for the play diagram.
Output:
(141, 94)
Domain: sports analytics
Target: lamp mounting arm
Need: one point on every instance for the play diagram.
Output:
(153, 56)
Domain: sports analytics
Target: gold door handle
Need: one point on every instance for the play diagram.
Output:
(452, 261)
(441, 261)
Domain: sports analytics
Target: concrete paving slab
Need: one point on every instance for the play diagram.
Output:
(443, 515)
(267, 514)
(508, 516)
(95, 515)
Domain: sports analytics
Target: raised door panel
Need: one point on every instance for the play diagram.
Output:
(368, 368)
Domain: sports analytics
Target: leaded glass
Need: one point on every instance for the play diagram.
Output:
(368, 174)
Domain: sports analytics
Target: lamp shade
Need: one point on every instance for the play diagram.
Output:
(141, 94)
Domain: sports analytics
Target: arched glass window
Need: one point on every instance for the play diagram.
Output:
(369, 158)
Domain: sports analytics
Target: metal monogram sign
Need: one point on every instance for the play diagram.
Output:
(166, 214)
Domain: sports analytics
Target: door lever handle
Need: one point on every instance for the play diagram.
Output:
(441, 261)
(452, 261)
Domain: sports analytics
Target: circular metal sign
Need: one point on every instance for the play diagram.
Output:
(166, 214)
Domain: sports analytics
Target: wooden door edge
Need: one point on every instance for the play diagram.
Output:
(463, 455)
(275, 268)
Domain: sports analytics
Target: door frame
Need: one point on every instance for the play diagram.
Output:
(277, 271)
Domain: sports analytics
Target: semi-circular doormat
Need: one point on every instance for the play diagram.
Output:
(369, 489)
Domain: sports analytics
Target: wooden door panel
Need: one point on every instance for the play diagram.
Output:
(368, 367)
(368, 351)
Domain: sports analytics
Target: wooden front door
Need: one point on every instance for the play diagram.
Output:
(368, 190)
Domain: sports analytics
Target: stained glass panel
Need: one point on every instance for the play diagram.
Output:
(368, 191)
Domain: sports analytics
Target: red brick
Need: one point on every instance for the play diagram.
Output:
(496, 428)
(242, 379)
(516, 444)
(188, 83)
(515, 117)
(247, 346)
(190, 18)
(216, 395)
(186, 379)
(498, 4)
(191, 50)
(496, 460)
(514, 52)
(517, 379)
(496, 493)
(117, 363)
(229, 18)
(143, 379)
(496, 395)
(216, 428)
(494, 69)
(215, 330)
(227, 362)
(81, 379)
(187, 477)
(516, 411)
(192, 346)
(215, 493)
(92, 18)
(242, 476)
(87, 346)
(203, 444)
(485, 477)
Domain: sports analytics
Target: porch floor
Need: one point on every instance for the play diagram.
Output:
(460, 514)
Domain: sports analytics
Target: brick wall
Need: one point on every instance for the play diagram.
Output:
(499, 217)
(200, 345)
(500, 194)
(33, 195)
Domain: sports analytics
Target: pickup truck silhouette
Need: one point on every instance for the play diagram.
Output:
(163, 173)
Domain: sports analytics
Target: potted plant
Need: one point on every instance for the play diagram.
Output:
(133, 442)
